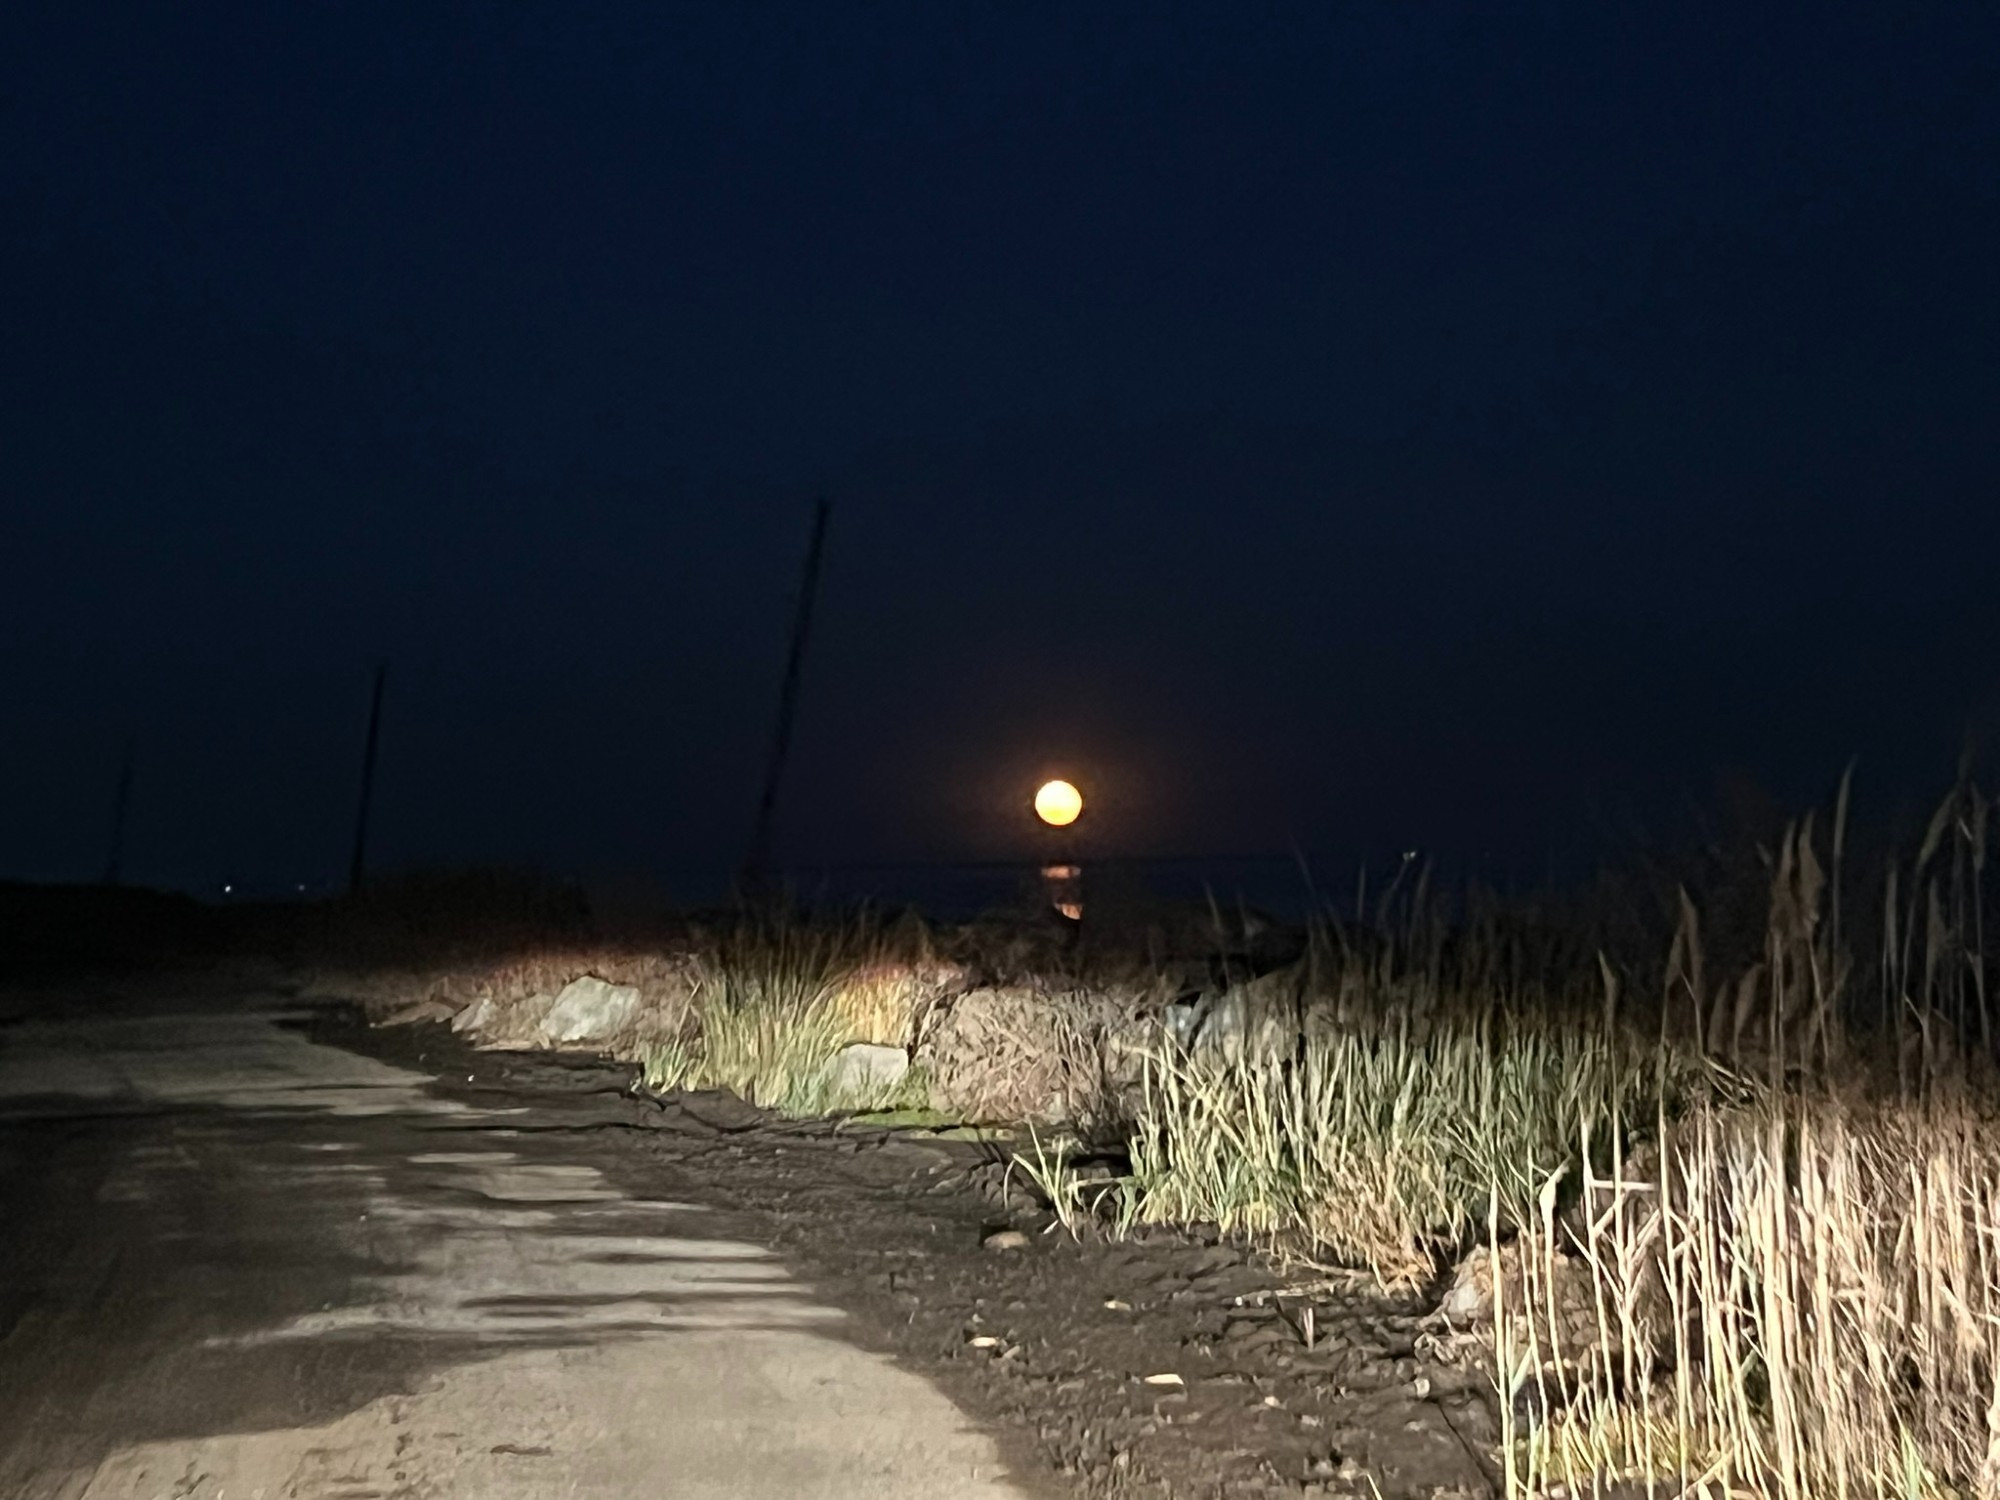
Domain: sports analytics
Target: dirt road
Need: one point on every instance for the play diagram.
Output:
(238, 1262)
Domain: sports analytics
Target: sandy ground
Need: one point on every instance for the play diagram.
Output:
(239, 1262)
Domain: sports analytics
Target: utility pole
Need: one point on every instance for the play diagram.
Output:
(357, 865)
(756, 869)
(121, 803)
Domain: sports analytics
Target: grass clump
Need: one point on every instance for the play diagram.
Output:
(778, 999)
(1381, 1148)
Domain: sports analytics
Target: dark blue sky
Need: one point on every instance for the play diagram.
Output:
(1473, 426)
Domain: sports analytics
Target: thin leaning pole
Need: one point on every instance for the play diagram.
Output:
(756, 868)
(357, 866)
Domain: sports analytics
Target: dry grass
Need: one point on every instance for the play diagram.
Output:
(1803, 1301)
(1803, 1298)
(1744, 1241)
(889, 993)
(1370, 1108)
(777, 997)
(1016, 1054)
(1741, 1208)
(1381, 1149)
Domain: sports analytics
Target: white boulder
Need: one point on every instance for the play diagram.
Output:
(589, 1010)
(866, 1071)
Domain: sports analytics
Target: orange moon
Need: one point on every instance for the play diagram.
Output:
(1057, 803)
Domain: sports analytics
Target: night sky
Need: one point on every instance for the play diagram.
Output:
(1486, 428)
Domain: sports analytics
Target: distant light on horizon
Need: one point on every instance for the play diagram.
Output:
(1058, 803)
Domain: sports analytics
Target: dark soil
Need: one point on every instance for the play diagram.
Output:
(1167, 1365)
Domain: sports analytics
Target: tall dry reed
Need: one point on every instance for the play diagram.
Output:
(1801, 1297)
